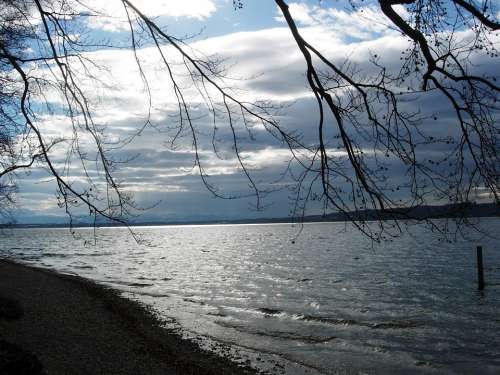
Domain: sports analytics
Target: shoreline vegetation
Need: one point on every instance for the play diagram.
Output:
(53, 323)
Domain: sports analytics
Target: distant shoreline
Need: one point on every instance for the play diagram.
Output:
(418, 213)
(73, 326)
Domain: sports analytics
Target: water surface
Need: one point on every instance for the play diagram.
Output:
(330, 301)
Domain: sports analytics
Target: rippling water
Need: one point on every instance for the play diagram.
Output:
(328, 302)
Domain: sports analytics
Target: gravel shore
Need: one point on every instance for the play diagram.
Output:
(58, 324)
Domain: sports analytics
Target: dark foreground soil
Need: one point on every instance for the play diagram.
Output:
(58, 324)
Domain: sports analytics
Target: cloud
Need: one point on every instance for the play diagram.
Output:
(110, 15)
(275, 70)
(363, 23)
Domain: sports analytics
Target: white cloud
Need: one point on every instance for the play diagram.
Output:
(110, 15)
(364, 23)
(148, 187)
(301, 13)
(39, 202)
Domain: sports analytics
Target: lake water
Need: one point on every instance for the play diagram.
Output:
(329, 301)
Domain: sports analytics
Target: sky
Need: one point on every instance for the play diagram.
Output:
(262, 64)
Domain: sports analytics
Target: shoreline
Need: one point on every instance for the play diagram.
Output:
(72, 325)
(417, 213)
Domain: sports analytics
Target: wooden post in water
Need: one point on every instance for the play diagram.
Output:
(480, 271)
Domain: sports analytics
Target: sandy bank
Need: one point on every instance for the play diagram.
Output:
(72, 326)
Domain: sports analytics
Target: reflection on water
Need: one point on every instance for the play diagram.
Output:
(329, 301)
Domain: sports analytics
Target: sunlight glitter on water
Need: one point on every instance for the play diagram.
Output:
(328, 302)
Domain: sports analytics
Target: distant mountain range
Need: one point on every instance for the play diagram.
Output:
(413, 213)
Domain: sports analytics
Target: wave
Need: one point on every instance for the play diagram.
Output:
(310, 339)
(217, 314)
(268, 311)
(202, 303)
(151, 294)
(98, 254)
(126, 283)
(41, 254)
(52, 255)
(146, 278)
(24, 248)
(140, 285)
(388, 324)
(82, 267)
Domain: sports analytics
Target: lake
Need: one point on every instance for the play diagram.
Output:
(325, 300)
